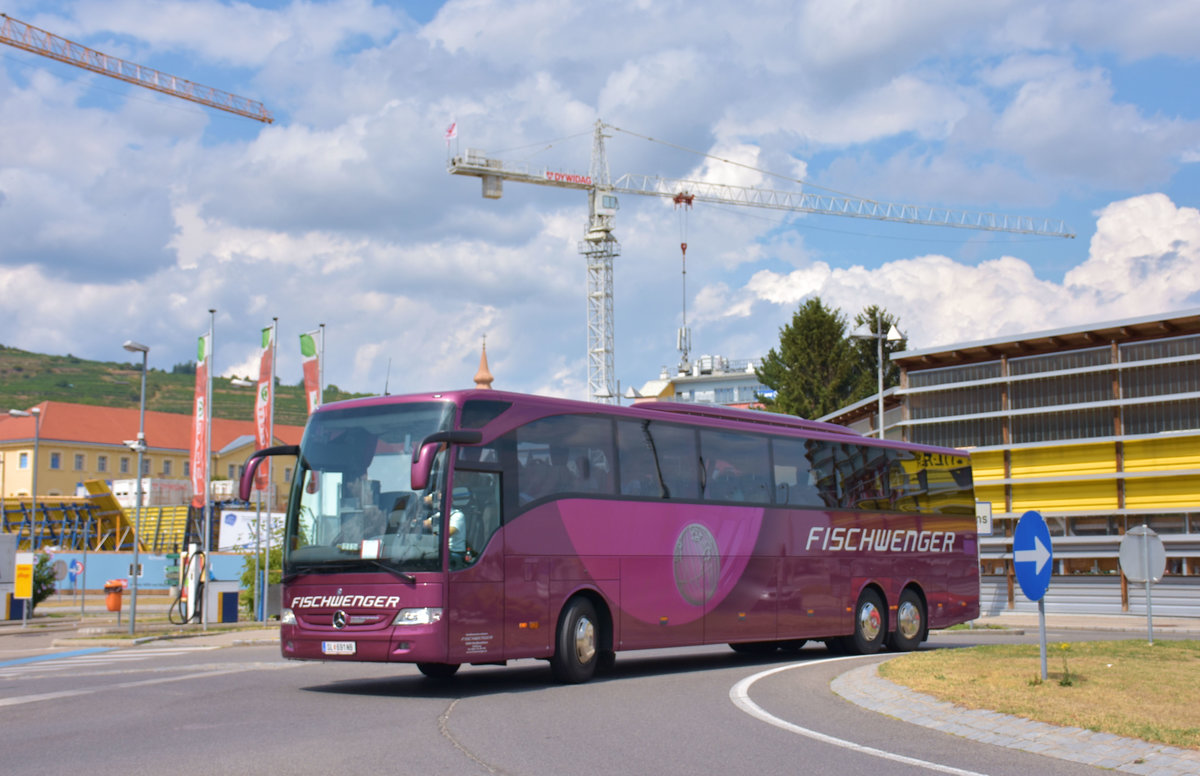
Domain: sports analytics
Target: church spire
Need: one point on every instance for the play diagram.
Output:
(483, 378)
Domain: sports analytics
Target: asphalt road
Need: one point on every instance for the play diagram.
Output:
(185, 707)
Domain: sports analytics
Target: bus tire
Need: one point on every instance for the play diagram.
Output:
(438, 670)
(870, 624)
(910, 623)
(577, 643)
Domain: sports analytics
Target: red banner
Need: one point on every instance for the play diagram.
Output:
(263, 405)
(199, 458)
(311, 359)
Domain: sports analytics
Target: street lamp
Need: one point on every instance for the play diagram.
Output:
(138, 446)
(893, 335)
(36, 413)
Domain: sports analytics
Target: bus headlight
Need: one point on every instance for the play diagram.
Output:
(287, 617)
(423, 616)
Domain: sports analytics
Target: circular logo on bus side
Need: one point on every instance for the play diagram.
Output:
(697, 564)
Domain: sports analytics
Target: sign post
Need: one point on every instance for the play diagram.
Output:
(1143, 559)
(23, 583)
(1032, 554)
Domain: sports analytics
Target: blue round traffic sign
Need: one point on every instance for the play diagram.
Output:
(1032, 555)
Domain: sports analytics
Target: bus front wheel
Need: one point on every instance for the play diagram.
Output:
(870, 624)
(576, 649)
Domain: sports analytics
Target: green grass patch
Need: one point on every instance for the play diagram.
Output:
(1127, 688)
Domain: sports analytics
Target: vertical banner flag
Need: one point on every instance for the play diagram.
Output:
(263, 405)
(199, 461)
(311, 359)
(451, 132)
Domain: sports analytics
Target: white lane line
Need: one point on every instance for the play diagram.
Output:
(46, 696)
(740, 695)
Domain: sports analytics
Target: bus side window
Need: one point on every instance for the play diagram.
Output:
(563, 455)
(635, 461)
(477, 495)
(675, 447)
(795, 479)
(735, 466)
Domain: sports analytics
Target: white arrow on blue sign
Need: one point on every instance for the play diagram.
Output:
(1032, 553)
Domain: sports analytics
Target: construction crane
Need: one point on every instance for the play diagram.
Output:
(25, 36)
(599, 247)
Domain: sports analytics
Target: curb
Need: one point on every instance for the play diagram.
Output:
(864, 687)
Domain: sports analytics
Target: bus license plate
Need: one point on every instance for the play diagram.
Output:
(337, 647)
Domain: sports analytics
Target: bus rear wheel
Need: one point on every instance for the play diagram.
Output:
(438, 670)
(870, 624)
(910, 623)
(576, 648)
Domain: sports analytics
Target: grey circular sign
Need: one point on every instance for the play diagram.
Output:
(1142, 555)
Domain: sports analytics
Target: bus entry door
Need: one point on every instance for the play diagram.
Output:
(475, 604)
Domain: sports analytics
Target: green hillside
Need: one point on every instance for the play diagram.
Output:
(28, 378)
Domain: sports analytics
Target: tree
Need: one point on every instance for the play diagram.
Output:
(813, 371)
(274, 574)
(43, 580)
(866, 353)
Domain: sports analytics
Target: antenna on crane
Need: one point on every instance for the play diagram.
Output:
(683, 338)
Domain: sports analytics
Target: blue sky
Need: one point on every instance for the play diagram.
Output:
(127, 214)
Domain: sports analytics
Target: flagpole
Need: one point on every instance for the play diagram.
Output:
(321, 370)
(270, 441)
(212, 313)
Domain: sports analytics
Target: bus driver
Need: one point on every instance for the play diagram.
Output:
(459, 554)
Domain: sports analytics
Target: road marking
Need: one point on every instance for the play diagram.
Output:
(94, 656)
(54, 656)
(46, 696)
(740, 695)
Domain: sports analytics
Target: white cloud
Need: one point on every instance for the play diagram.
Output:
(236, 33)
(144, 212)
(1144, 260)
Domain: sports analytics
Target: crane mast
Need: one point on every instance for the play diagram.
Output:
(599, 247)
(25, 36)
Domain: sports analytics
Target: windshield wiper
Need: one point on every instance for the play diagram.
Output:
(404, 575)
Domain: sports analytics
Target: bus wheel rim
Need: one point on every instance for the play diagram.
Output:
(909, 620)
(585, 640)
(869, 621)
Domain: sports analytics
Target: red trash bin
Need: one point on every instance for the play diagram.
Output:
(112, 594)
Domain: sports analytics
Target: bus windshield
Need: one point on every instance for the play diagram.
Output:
(352, 505)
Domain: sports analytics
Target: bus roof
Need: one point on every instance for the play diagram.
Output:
(549, 405)
(745, 416)
(713, 411)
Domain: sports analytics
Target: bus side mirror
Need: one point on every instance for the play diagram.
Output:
(422, 461)
(251, 468)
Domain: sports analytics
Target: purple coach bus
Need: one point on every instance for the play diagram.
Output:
(481, 526)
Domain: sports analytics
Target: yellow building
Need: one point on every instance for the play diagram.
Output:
(1096, 427)
(78, 442)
